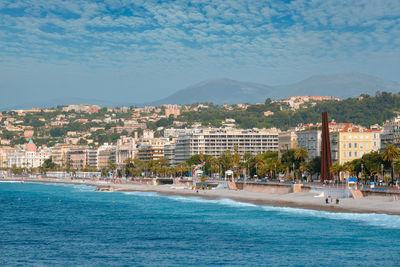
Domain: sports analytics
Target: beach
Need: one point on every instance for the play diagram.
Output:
(302, 200)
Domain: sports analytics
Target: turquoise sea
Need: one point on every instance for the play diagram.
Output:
(55, 224)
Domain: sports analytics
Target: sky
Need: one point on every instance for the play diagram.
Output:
(135, 51)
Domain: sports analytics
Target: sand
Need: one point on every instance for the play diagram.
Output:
(303, 200)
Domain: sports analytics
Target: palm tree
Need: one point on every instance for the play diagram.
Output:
(349, 168)
(390, 154)
(337, 169)
(301, 154)
(302, 169)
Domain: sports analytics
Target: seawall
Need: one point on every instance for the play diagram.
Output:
(268, 188)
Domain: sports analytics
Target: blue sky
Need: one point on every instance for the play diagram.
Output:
(143, 50)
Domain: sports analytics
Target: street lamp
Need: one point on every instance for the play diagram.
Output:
(293, 173)
(393, 163)
(257, 170)
(362, 169)
(248, 172)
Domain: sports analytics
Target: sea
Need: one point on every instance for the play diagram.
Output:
(72, 225)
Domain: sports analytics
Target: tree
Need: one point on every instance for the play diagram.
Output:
(337, 169)
(301, 154)
(226, 160)
(390, 154)
(48, 164)
(314, 166)
(372, 163)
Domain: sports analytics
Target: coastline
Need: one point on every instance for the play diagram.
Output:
(308, 201)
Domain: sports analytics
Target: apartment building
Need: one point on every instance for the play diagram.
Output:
(169, 153)
(4, 155)
(310, 140)
(216, 141)
(310, 137)
(81, 157)
(391, 132)
(60, 154)
(173, 110)
(353, 142)
(287, 140)
(151, 148)
(126, 148)
(105, 154)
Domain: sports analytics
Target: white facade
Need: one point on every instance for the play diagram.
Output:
(27, 159)
(311, 141)
(126, 148)
(214, 142)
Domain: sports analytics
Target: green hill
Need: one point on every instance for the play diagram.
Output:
(365, 110)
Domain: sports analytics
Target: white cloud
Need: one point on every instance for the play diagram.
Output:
(231, 34)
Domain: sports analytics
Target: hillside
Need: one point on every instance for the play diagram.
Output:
(370, 110)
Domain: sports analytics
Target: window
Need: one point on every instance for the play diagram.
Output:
(366, 145)
(355, 145)
(361, 154)
(349, 145)
(355, 154)
(344, 154)
(344, 145)
(350, 154)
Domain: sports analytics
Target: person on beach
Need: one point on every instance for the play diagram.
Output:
(327, 201)
(337, 201)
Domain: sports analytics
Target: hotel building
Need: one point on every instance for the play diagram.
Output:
(216, 141)
(353, 142)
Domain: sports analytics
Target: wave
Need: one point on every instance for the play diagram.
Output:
(143, 194)
(77, 187)
(373, 219)
(222, 201)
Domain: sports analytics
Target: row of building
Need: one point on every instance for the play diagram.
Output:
(348, 142)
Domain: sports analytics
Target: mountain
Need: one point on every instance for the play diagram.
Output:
(219, 91)
(342, 85)
(226, 91)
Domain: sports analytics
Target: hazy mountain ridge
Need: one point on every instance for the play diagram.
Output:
(226, 91)
(218, 91)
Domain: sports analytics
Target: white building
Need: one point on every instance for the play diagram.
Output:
(28, 157)
(391, 132)
(126, 148)
(105, 154)
(311, 141)
(216, 141)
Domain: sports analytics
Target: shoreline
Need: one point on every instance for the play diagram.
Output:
(307, 201)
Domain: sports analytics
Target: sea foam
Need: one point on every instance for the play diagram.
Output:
(373, 219)
(142, 194)
(381, 220)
